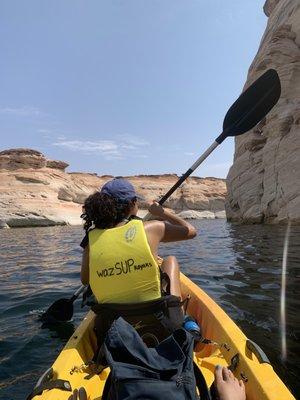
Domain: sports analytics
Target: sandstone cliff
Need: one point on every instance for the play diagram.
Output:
(264, 181)
(35, 191)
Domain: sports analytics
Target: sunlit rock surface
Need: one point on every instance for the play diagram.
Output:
(35, 191)
(264, 181)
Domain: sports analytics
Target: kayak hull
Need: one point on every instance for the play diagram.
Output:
(231, 345)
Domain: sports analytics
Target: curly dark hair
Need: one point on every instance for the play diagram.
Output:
(104, 211)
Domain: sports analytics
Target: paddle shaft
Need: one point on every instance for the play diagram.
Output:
(189, 172)
(77, 294)
(196, 164)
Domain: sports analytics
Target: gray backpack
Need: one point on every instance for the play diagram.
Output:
(139, 372)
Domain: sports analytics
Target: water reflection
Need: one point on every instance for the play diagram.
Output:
(259, 305)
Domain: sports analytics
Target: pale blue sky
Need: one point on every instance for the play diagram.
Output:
(125, 87)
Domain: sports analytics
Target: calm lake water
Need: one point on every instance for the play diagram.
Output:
(239, 266)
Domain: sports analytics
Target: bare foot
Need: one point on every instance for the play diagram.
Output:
(228, 387)
(78, 394)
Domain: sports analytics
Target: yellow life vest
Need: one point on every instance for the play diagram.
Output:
(121, 264)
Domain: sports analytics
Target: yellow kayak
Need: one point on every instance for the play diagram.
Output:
(230, 347)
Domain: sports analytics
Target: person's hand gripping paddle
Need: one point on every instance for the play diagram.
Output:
(246, 112)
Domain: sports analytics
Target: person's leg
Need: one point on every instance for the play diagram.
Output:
(171, 267)
(228, 387)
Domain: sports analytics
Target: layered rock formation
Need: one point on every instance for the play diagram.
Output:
(264, 181)
(35, 191)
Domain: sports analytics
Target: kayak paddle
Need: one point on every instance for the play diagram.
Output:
(246, 112)
(61, 310)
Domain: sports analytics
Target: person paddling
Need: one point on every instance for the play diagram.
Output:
(120, 258)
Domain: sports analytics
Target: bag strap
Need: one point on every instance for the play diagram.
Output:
(106, 388)
(201, 383)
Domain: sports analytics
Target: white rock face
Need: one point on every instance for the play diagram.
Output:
(192, 214)
(35, 191)
(264, 182)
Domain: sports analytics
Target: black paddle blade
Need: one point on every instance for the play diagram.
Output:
(60, 311)
(253, 104)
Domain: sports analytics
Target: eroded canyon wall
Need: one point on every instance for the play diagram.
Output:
(264, 182)
(35, 191)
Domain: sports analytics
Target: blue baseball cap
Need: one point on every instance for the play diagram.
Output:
(121, 189)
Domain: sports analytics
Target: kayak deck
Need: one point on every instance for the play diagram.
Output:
(260, 380)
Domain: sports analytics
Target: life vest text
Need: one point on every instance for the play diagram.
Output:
(122, 267)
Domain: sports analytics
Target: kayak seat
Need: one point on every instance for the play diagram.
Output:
(154, 320)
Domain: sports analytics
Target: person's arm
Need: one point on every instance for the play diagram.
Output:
(172, 228)
(85, 272)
